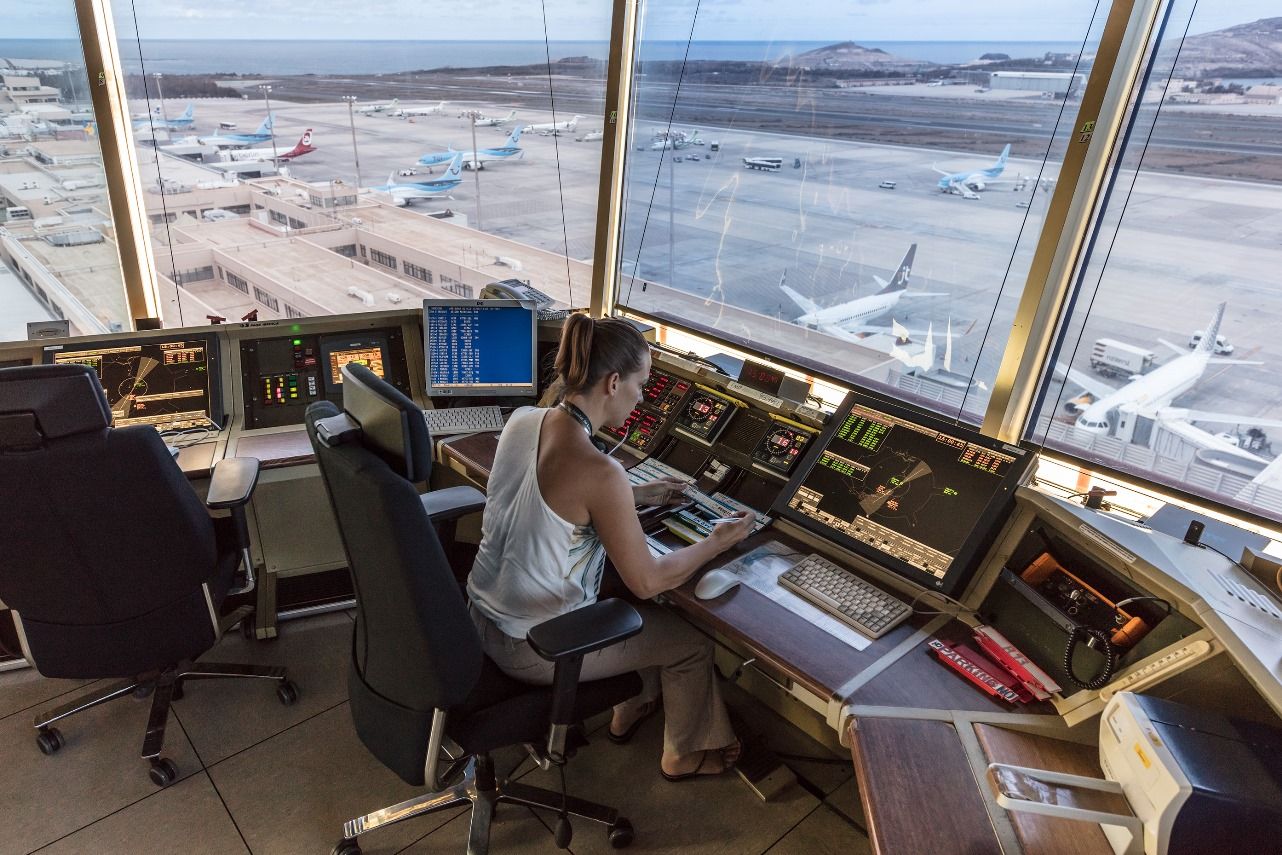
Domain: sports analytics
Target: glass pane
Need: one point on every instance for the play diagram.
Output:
(1167, 363)
(789, 174)
(360, 193)
(57, 241)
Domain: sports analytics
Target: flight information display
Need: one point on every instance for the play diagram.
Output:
(917, 495)
(479, 347)
(152, 382)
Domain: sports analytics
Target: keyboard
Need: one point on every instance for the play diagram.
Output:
(845, 596)
(459, 420)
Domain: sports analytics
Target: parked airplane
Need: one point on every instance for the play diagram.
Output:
(971, 183)
(553, 128)
(477, 159)
(592, 136)
(494, 121)
(379, 108)
(156, 120)
(676, 139)
(409, 112)
(1116, 410)
(849, 320)
(262, 154)
(404, 194)
(261, 135)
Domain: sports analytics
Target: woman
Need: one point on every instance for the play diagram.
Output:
(556, 507)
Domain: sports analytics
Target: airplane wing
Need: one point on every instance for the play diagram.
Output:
(807, 305)
(1214, 361)
(1096, 387)
(1180, 413)
(923, 294)
(1175, 348)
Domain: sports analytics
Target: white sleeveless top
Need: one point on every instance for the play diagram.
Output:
(532, 564)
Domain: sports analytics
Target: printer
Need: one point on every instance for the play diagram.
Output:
(1178, 781)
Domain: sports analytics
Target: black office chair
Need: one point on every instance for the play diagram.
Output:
(110, 564)
(418, 680)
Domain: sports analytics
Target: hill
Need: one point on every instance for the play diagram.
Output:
(848, 56)
(1245, 50)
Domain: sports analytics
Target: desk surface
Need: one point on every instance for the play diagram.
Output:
(919, 791)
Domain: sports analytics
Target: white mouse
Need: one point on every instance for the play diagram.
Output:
(715, 583)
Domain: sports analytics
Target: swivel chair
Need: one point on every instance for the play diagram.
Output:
(418, 680)
(111, 566)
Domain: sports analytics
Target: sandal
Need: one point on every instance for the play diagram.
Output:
(626, 736)
(698, 770)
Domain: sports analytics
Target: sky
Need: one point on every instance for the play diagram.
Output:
(752, 20)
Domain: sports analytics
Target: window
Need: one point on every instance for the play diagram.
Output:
(362, 122)
(418, 272)
(291, 312)
(849, 188)
(197, 274)
(266, 299)
(237, 282)
(1166, 365)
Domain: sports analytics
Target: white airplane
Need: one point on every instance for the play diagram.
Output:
(592, 136)
(553, 128)
(970, 184)
(303, 147)
(404, 194)
(849, 320)
(380, 108)
(1152, 394)
(494, 121)
(410, 112)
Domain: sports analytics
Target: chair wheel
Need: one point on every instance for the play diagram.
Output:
(346, 846)
(49, 740)
(163, 772)
(287, 692)
(143, 690)
(621, 833)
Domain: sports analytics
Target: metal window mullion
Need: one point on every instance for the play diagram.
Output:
(618, 110)
(1119, 59)
(120, 164)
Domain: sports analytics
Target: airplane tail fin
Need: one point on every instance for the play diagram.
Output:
(514, 136)
(455, 169)
(807, 305)
(265, 127)
(997, 167)
(188, 113)
(899, 281)
(1207, 344)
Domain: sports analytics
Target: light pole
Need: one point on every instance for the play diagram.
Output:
(351, 121)
(672, 226)
(271, 126)
(472, 116)
(160, 93)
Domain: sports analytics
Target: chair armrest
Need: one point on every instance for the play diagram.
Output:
(232, 482)
(584, 630)
(452, 503)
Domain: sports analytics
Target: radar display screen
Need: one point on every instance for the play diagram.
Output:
(370, 357)
(917, 495)
(781, 447)
(166, 383)
(705, 414)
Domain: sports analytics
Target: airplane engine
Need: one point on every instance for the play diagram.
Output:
(976, 185)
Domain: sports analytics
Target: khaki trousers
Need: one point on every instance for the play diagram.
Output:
(673, 658)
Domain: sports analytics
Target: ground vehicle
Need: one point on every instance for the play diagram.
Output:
(887, 185)
(410, 171)
(1222, 345)
(714, 146)
(767, 164)
(226, 126)
(1114, 358)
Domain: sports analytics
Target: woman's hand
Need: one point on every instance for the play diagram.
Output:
(664, 491)
(726, 535)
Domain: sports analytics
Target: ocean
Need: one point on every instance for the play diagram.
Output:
(326, 57)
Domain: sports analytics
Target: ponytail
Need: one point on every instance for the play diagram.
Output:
(592, 349)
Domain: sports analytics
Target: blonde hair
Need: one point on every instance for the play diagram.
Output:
(592, 349)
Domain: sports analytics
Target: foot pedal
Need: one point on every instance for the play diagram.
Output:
(763, 771)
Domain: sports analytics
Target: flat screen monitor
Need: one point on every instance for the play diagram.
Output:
(916, 495)
(480, 347)
(168, 382)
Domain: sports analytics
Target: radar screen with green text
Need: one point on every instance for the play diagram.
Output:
(916, 495)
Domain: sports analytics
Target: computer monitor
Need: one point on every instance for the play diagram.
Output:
(480, 347)
(171, 383)
(916, 495)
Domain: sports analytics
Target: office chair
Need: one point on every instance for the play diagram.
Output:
(418, 680)
(120, 571)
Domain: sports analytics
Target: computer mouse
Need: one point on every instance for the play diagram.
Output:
(715, 583)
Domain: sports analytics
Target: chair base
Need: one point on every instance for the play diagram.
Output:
(479, 788)
(164, 687)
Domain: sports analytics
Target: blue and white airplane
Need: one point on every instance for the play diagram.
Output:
(405, 193)
(156, 120)
(971, 183)
(262, 135)
(477, 159)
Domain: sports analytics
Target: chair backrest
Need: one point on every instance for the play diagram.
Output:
(104, 545)
(414, 649)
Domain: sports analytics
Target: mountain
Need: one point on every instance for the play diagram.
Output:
(1245, 50)
(848, 56)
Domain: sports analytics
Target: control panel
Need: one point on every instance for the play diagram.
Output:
(280, 376)
(660, 398)
(782, 446)
(705, 414)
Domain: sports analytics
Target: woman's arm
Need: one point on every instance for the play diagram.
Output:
(609, 500)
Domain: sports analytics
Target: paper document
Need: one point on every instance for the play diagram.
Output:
(760, 569)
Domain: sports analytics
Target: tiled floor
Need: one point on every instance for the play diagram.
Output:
(259, 777)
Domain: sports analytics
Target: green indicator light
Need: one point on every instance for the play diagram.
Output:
(297, 342)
